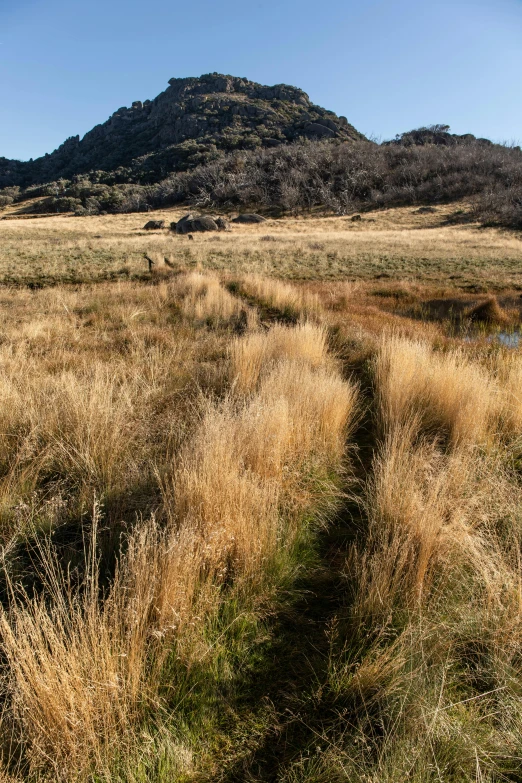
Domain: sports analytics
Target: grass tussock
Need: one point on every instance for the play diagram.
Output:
(425, 516)
(488, 312)
(507, 367)
(453, 397)
(293, 302)
(202, 297)
(84, 672)
(305, 342)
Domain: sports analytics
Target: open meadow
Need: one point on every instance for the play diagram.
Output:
(398, 243)
(260, 507)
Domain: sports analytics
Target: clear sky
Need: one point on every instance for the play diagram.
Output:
(66, 65)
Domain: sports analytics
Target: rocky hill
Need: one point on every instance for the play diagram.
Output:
(194, 121)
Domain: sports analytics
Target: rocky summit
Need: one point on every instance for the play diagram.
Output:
(195, 120)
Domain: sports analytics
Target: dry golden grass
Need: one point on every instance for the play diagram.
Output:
(244, 463)
(488, 312)
(508, 369)
(88, 378)
(436, 597)
(451, 396)
(423, 509)
(425, 504)
(249, 355)
(290, 300)
(396, 243)
(83, 673)
(192, 462)
(203, 298)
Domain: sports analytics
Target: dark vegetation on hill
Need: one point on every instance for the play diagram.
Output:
(227, 143)
(306, 175)
(194, 121)
(434, 134)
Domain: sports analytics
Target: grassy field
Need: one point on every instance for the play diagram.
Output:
(398, 243)
(260, 529)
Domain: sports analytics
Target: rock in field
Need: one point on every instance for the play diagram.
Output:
(154, 225)
(179, 227)
(249, 218)
(425, 211)
(190, 224)
(203, 223)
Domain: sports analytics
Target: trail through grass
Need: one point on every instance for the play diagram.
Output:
(256, 532)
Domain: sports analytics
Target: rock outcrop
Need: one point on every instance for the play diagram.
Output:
(154, 225)
(249, 218)
(190, 224)
(434, 134)
(193, 121)
(179, 226)
(203, 223)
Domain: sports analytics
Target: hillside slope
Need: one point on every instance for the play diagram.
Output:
(193, 121)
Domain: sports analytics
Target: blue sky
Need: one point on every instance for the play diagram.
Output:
(66, 65)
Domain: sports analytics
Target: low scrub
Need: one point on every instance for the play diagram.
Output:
(338, 177)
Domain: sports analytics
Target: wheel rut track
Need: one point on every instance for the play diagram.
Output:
(292, 677)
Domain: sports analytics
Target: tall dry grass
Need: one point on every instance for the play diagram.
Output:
(428, 518)
(250, 355)
(506, 366)
(202, 297)
(80, 375)
(249, 457)
(83, 672)
(451, 396)
(105, 670)
(291, 300)
(436, 493)
(435, 619)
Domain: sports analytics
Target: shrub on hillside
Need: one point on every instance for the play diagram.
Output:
(501, 206)
(422, 167)
(344, 177)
